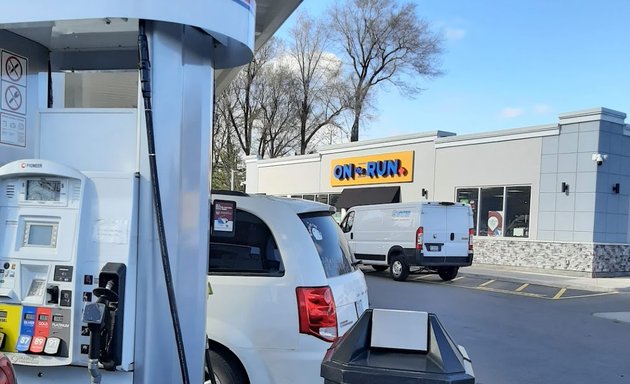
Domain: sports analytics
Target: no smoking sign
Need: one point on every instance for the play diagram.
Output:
(14, 68)
(14, 73)
(13, 98)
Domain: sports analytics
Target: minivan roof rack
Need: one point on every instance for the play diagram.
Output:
(228, 192)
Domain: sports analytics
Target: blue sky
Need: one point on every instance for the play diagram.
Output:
(511, 64)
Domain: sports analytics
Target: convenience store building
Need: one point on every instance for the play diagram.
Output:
(553, 197)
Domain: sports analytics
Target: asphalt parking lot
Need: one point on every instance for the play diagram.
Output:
(500, 285)
(521, 336)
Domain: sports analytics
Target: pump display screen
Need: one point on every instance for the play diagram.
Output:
(29, 316)
(3, 314)
(43, 190)
(40, 234)
(43, 317)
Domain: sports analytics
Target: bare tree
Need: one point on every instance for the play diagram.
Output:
(240, 102)
(226, 153)
(385, 42)
(279, 135)
(322, 93)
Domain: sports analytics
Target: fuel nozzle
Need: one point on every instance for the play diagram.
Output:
(106, 295)
(97, 316)
(105, 319)
(100, 321)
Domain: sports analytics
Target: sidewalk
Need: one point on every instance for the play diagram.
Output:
(609, 284)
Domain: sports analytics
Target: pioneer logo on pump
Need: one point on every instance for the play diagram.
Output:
(31, 165)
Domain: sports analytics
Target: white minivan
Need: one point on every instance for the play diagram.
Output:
(282, 289)
(435, 236)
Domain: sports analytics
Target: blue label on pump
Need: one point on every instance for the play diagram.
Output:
(23, 344)
(27, 329)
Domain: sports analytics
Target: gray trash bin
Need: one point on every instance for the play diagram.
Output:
(358, 358)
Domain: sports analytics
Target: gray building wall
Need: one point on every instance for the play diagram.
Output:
(589, 211)
(502, 163)
(284, 176)
(613, 208)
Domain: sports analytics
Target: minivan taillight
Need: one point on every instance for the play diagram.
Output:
(419, 238)
(317, 312)
(471, 232)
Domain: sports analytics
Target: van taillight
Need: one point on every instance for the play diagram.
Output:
(317, 312)
(7, 375)
(419, 238)
(471, 232)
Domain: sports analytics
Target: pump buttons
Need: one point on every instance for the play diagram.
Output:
(24, 342)
(53, 294)
(52, 345)
(37, 344)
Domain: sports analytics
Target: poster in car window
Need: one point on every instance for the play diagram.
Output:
(223, 218)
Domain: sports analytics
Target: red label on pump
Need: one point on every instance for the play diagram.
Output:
(37, 345)
(42, 322)
(42, 327)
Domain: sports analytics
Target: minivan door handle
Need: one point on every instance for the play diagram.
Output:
(351, 236)
(452, 236)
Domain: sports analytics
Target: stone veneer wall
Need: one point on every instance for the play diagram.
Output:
(596, 260)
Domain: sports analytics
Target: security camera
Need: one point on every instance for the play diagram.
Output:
(599, 158)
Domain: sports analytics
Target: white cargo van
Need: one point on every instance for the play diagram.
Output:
(435, 236)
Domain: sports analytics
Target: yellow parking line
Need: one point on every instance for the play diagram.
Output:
(588, 295)
(519, 289)
(509, 292)
(486, 283)
(560, 293)
(422, 277)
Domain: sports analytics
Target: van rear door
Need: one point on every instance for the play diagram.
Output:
(445, 230)
(346, 281)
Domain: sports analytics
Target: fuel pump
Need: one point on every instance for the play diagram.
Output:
(65, 251)
(40, 217)
(76, 181)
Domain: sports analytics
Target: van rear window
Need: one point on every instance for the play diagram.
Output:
(330, 243)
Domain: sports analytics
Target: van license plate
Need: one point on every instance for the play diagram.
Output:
(433, 248)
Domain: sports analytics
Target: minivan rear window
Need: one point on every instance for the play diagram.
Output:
(330, 243)
(252, 251)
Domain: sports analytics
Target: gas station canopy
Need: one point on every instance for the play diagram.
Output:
(77, 42)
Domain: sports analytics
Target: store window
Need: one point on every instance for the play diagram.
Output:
(498, 211)
(491, 212)
(332, 200)
(333, 197)
(322, 198)
(309, 197)
(517, 211)
(470, 196)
